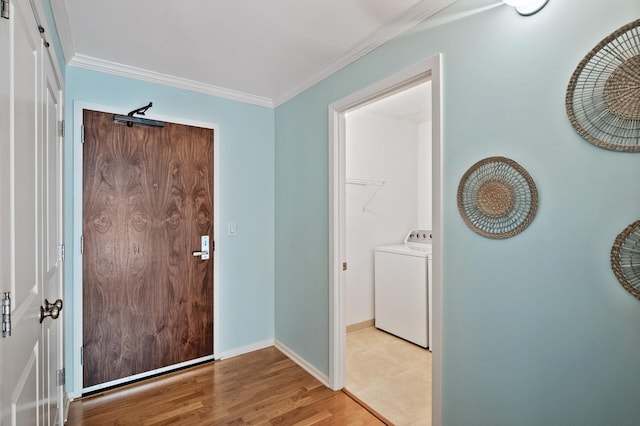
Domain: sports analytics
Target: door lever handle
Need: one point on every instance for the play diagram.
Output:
(204, 248)
(50, 309)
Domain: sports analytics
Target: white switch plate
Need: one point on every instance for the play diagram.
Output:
(232, 229)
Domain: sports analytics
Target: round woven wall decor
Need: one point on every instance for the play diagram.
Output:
(625, 258)
(497, 198)
(603, 97)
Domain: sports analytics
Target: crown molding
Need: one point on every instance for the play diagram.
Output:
(61, 18)
(101, 65)
(405, 22)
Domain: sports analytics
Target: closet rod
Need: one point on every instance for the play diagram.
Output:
(378, 183)
(364, 182)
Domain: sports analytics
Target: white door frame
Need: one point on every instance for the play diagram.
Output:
(78, 107)
(430, 68)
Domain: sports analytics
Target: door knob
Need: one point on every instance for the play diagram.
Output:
(50, 309)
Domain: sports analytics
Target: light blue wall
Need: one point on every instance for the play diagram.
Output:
(537, 329)
(246, 197)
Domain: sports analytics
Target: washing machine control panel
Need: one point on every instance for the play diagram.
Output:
(423, 236)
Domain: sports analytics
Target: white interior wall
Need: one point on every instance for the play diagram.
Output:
(385, 149)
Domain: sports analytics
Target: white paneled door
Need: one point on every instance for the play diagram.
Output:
(30, 223)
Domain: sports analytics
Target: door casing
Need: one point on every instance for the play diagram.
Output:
(428, 68)
(76, 320)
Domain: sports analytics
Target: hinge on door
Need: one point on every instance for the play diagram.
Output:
(81, 244)
(4, 9)
(61, 377)
(62, 128)
(81, 355)
(61, 253)
(6, 315)
(82, 134)
(344, 266)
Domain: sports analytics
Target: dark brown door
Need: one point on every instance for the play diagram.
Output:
(147, 200)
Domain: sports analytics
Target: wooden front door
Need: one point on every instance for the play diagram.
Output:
(147, 200)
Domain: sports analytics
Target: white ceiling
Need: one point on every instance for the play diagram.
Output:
(258, 51)
(412, 104)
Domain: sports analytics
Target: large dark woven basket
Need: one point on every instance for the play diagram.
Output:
(497, 198)
(603, 96)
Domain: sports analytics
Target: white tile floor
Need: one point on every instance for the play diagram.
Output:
(391, 375)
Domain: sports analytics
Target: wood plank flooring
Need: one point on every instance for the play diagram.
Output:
(259, 388)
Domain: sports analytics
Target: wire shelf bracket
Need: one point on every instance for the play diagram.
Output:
(363, 182)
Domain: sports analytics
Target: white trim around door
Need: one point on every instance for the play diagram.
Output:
(430, 68)
(78, 107)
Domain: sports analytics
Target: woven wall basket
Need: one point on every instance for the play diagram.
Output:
(625, 258)
(603, 97)
(497, 198)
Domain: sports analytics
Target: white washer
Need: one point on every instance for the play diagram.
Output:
(402, 288)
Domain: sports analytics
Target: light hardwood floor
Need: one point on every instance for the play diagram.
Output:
(390, 375)
(260, 388)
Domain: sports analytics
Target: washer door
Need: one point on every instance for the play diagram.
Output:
(401, 296)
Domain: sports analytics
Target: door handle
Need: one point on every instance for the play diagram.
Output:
(204, 248)
(50, 309)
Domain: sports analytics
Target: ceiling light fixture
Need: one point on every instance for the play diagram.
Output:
(527, 7)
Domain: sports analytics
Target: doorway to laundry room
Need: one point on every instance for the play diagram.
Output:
(389, 223)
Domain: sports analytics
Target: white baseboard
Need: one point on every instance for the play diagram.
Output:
(245, 349)
(302, 363)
